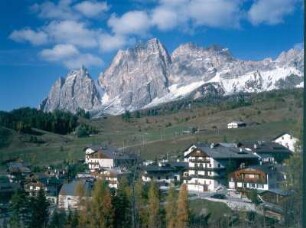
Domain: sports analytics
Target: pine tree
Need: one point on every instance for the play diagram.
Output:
(122, 204)
(39, 210)
(171, 208)
(182, 214)
(141, 210)
(154, 218)
(83, 204)
(102, 212)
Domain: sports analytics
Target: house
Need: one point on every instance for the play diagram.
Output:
(208, 165)
(259, 177)
(164, 173)
(236, 124)
(68, 197)
(99, 157)
(7, 188)
(51, 186)
(111, 176)
(286, 140)
(268, 150)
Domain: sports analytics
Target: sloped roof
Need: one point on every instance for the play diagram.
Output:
(222, 151)
(69, 189)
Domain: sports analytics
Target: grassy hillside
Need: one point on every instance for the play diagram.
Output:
(165, 132)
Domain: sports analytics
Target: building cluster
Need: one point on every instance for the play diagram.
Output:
(204, 168)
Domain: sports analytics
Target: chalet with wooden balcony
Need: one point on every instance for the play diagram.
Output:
(208, 165)
(260, 177)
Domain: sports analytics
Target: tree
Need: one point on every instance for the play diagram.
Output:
(57, 220)
(293, 185)
(102, 212)
(39, 210)
(171, 208)
(182, 214)
(141, 210)
(19, 209)
(83, 204)
(122, 204)
(154, 218)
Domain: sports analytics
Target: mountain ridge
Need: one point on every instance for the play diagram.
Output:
(147, 75)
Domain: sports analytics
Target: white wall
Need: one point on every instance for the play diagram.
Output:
(287, 141)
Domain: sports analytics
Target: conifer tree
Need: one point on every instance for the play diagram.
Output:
(140, 204)
(154, 218)
(102, 212)
(171, 208)
(182, 214)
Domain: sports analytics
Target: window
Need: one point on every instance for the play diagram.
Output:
(219, 165)
(244, 185)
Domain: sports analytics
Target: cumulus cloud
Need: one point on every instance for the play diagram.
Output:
(132, 22)
(165, 18)
(91, 9)
(270, 11)
(72, 32)
(70, 56)
(28, 35)
(83, 59)
(51, 10)
(111, 42)
(170, 14)
(59, 52)
(215, 13)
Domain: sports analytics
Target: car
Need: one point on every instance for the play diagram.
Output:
(218, 196)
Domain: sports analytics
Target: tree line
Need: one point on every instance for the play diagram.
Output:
(23, 119)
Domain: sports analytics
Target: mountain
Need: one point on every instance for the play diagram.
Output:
(146, 76)
(77, 90)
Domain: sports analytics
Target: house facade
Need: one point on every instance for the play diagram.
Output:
(260, 177)
(236, 124)
(68, 198)
(286, 140)
(164, 173)
(209, 164)
(99, 157)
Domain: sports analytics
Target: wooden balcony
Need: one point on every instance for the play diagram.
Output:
(196, 160)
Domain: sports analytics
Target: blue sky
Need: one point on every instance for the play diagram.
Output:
(43, 40)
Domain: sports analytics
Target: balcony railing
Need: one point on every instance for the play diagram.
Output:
(251, 180)
(196, 160)
(206, 168)
(201, 176)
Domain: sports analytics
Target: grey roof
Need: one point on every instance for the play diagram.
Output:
(156, 168)
(220, 151)
(266, 147)
(69, 189)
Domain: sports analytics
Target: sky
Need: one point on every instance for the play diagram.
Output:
(43, 40)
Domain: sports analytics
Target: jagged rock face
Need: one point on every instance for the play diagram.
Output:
(191, 63)
(146, 76)
(138, 75)
(78, 90)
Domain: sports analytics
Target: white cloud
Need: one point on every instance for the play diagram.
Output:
(72, 32)
(28, 35)
(110, 43)
(165, 18)
(270, 11)
(91, 9)
(59, 52)
(170, 14)
(132, 22)
(50, 10)
(70, 56)
(215, 13)
(83, 59)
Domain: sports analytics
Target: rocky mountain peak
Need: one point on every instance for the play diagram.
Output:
(146, 75)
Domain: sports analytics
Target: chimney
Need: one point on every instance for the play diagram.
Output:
(212, 145)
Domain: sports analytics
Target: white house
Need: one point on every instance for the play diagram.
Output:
(287, 140)
(98, 157)
(236, 124)
(68, 198)
(207, 164)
